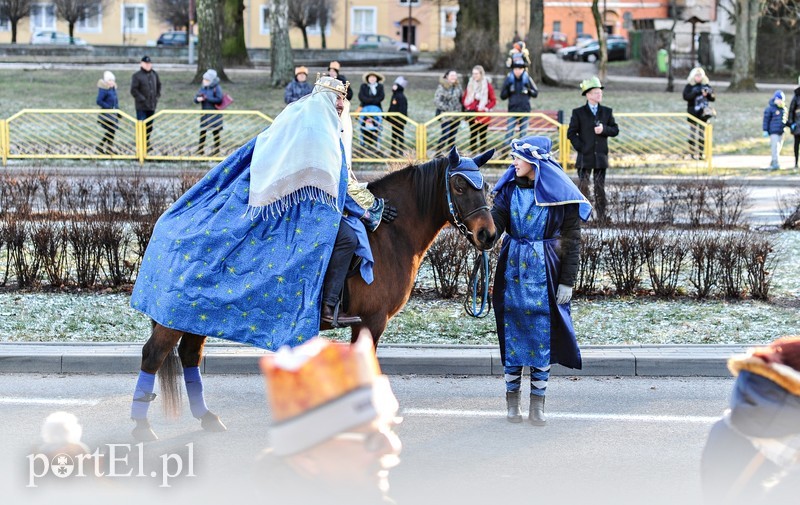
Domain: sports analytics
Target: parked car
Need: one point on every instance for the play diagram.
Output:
(617, 50)
(554, 41)
(381, 42)
(571, 52)
(174, 39)
(54, 37)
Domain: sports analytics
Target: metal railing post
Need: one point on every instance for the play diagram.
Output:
(140, 140)
(422, 141)
(4, 142)
(709, 146)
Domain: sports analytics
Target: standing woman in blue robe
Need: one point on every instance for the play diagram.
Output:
(540, 210)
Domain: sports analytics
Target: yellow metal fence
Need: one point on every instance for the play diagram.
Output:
(644, 139)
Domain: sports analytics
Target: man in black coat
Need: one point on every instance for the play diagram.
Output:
(589, 129)
(146, 90)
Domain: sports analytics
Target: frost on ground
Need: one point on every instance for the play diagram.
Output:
(47, 317)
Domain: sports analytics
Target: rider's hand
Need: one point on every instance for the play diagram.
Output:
(564, 294)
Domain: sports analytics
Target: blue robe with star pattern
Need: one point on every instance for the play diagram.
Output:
(532, 328)
(213, 269)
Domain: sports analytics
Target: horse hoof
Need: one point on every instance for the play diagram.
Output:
(143, 432)
(210, 422)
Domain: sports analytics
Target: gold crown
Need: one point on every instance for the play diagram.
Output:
(337, 86)
(333, 370)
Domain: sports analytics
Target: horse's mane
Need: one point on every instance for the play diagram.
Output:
(426, 178)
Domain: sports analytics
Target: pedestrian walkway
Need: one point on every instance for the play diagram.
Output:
(617, 361)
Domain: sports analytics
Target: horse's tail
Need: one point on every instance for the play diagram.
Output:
(171, 392)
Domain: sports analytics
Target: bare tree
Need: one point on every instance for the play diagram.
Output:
(477, 34)
(281, 58)
(325, 9)
(601, 39)
(234, 50)
(14, 11)
(209, 47)
(173, 12)
(748, 13)
(74, 11)
(302, 15)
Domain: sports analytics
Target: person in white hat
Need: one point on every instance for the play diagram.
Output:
(107, 99)
(298, 87)
(209, 96)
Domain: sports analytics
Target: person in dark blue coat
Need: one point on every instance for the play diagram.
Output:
(752, 455)
(107, 99)
(298, 87)
(399, 104)
(539, 209)
(518, 89)
(208, 96)
(775, 118)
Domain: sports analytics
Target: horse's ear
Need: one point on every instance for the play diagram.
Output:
(453, 157)
(481, 159)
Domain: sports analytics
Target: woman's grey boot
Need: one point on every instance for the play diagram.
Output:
(512, 402)
(536, 412)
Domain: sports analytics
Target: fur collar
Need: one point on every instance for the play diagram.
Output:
(786, 377)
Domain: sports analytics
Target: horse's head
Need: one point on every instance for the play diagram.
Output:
(466, 199)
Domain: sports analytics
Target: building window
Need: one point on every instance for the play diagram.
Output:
(579, 27)
(5, 24)
(556, 26)
(627, 20)
(264, 23)
(134, 19)
(364, 20)
(448, 18)
(93, 22)
(43, 17)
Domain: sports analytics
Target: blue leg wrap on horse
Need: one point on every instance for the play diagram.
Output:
(194, 388)
(143, 395)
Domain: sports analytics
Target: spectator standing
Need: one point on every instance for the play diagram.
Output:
(146, 90)
(518, 89)
(539, 209)
(794, 120)
(448, 99)
(752, 455)
(589, 129)
(399, 104)
(334, 70)
(478, 97)
(775, 116)
(107, 99)
(209, 96)
(299, 87)
(698, 95)
(371, 91)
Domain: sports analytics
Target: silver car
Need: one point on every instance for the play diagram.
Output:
(54, 37)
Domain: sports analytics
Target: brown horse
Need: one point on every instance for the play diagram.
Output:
(427, 198)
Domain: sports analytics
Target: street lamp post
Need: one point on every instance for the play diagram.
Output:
(190, 39)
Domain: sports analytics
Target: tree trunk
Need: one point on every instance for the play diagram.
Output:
(743, 76)
(670, 73)
(305, 37)
(71, 30)
(601, 38)
(14, 32)
(209, 46)
(477, 34)
(324, 41)
(281, 58)
(535, 43)
(234, 50)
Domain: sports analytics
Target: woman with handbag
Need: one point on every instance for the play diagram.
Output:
(478, 97)
(209, 96)
(794, 120)
(698, 95)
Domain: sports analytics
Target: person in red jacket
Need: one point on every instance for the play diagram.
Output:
(478, 97)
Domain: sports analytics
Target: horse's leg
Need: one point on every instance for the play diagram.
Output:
(190, 351)
(161, 342)
(376, 324)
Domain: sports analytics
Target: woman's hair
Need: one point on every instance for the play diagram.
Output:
(694, 72)
(448, 72)
(785, 350)
(480, 69)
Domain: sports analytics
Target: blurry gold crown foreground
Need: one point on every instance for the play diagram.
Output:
(326, 81)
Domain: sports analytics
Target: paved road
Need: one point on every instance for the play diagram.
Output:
(609, 440)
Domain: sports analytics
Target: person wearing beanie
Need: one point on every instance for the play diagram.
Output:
(589, 129)
(298, 87)
(794, 120)
(146, 90)
(775, 116)
(698, 95)
(107, 99)
(518, 89)
(752, 454)
(209, 96)
(335, 71)
(540, 209)
(399, 105)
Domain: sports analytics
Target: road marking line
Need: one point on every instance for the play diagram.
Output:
(48, 401)
(565, 415)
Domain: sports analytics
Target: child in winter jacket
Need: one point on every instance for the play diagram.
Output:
(398, 104)
(775, 116)
(518, 89)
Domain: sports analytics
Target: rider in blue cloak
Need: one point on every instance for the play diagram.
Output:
(540, 209)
